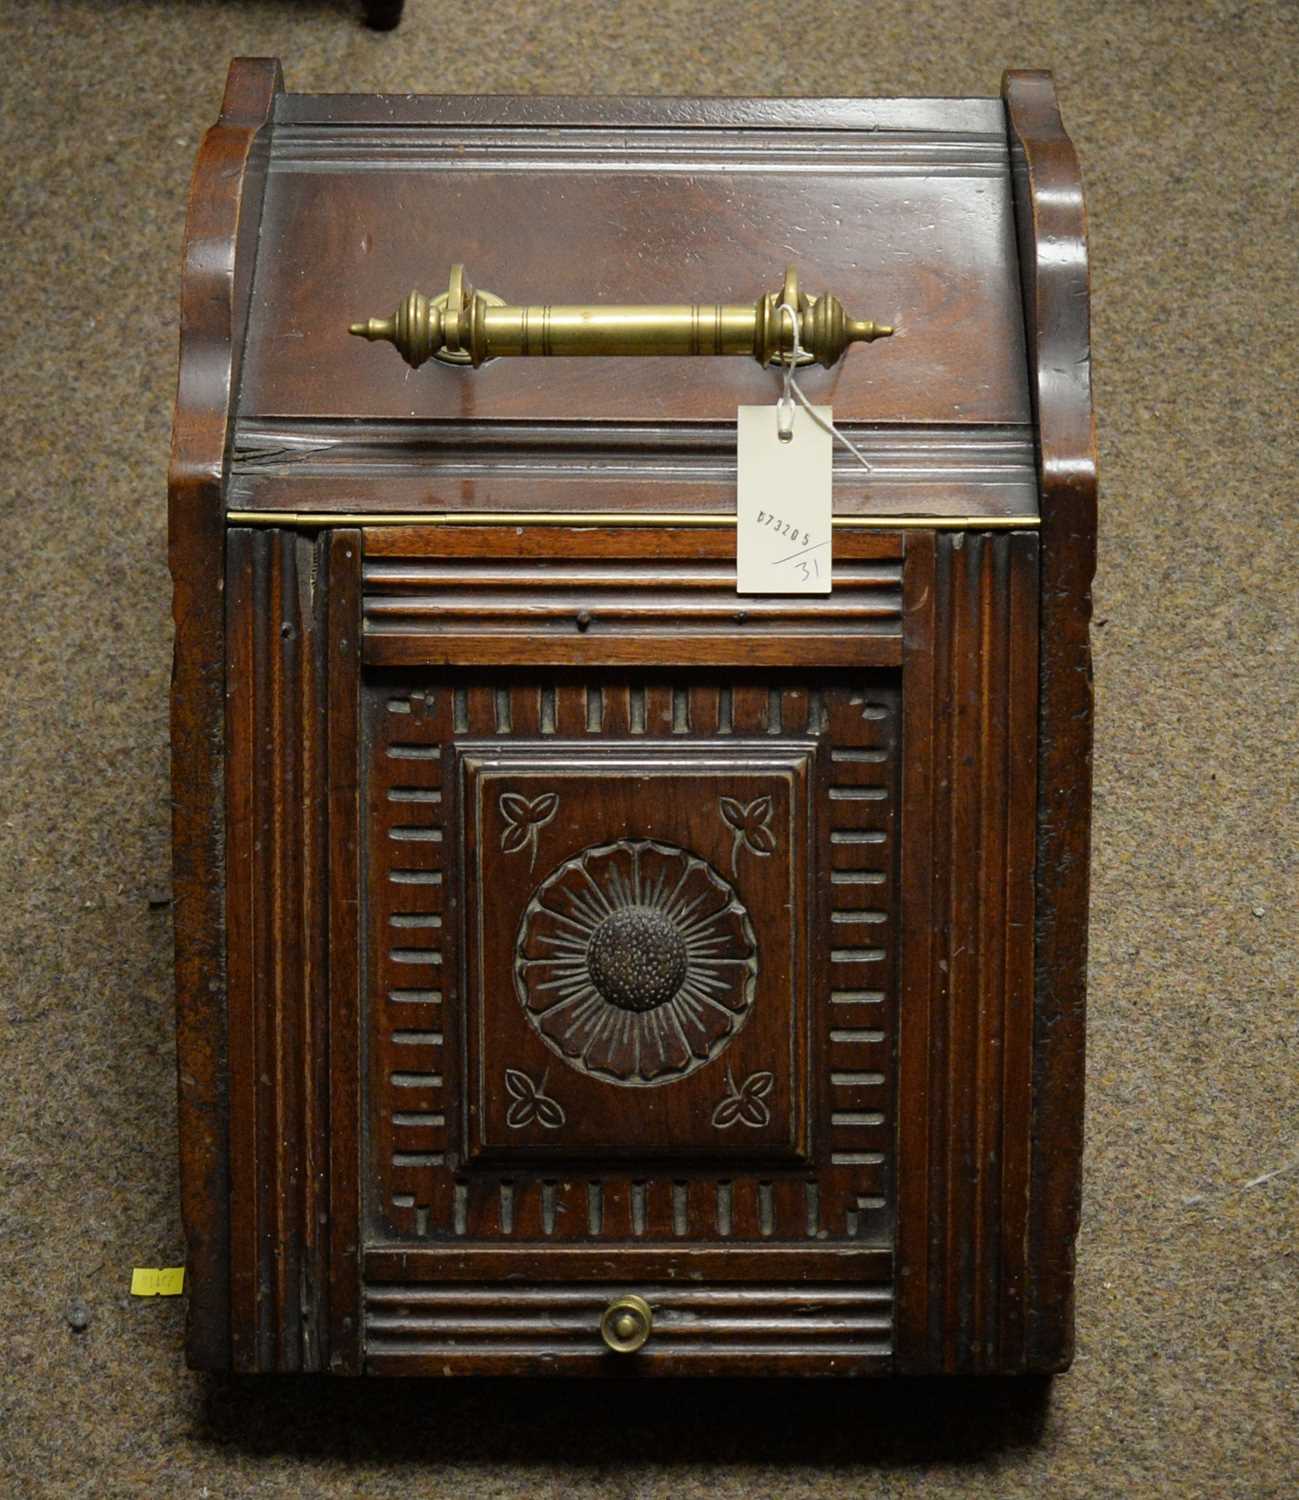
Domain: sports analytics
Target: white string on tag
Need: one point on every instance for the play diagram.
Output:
(790, 387)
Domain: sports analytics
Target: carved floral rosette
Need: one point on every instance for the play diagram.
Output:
(636, 962)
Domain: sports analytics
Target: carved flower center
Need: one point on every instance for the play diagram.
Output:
(637, 958)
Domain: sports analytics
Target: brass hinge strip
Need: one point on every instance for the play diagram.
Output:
(322, 519)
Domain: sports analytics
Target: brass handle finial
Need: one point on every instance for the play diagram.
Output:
(626, 1324)
(467, 327)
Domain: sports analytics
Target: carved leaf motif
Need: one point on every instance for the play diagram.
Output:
(762, 840)
(514, 808)
(544, 808)
(519, 1113)
(727, 1112)
(745, 1102)
(750, 823)
(757, 813)
(516, 836)
(549, 1113)
(531, 1102)
(524, 821)
(733, 813)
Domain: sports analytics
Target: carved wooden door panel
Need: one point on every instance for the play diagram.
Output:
(629, 987)
(631, 924)
(637, 948)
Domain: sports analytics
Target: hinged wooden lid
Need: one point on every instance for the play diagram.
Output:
(900, 207)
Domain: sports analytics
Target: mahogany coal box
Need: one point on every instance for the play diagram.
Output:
(582, 967)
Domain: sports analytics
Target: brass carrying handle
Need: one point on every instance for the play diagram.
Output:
(465, 327)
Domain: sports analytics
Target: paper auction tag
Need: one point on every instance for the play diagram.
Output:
(783, 508)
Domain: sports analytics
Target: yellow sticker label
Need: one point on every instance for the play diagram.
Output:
(148, 1281)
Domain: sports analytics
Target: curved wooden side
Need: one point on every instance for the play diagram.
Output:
(224, 209)
(1052, 230)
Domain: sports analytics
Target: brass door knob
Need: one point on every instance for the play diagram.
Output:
(626, 1324)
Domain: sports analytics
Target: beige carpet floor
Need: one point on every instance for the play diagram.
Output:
(1186, 1384)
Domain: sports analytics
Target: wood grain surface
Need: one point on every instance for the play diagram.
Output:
(1054, 271)
(908, 220)
(966, 1124)
(224, 217)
